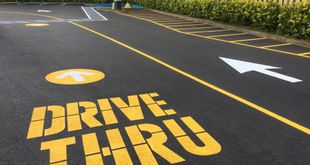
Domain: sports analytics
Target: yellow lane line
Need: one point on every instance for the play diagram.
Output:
(217, 39)
(307, 53)
(192, 24)
(172, 21)
(248, 45)
(196, 28)
(155, 17)
(205, 83)
(251, 39)
(210, 31)
(167, 18)
(228, 35)
(276, 45)
(147, 15)
(177, 23)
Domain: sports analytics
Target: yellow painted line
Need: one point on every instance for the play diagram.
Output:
(195, 28)
(166, 19)
(217, 39)
(184, 23)
(251, 39)
(153, 17)
(36, 24)
(172, 21)
(205, 83)
(147, 14)
(193, 24)
(227, 35)
(210, 31)
(307, 53)
(248, 45)
(178, 23)
(150, 16)
(276, 45)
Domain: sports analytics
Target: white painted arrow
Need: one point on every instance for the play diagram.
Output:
(244, 66)
(44, 11)
(77, 76)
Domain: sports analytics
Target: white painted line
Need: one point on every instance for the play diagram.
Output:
(93, 14)
(99, 14)
(44, 11)
(86, 13)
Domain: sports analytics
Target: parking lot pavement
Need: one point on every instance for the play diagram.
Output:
(147, 88)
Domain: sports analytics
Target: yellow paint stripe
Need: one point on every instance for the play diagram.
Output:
(150, 17)
(145, 14)
(307, 53)
(227, 35)
(210, 31)
(166, 19)
(195, 28)
(172, 21)
(251, 39)
(224, 92)
(178, 23)
(276, 45)
(217, 39)
(192, 24)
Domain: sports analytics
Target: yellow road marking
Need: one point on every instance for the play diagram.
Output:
(178, 23)
(195, 28)
(217, 39)
(227, 35)
(251, 39)
(153, 17)
(36, 24)
(210, 31)
(307, 53)
(205, 83)
(276, 45)
(147, 14)
(172, 21)
(185, 25)
(166, 19)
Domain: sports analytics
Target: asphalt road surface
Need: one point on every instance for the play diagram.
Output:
(139, 87)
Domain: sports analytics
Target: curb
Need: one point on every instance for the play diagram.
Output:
(238, 28)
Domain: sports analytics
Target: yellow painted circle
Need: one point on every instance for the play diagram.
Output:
(37, 24)
(75, 76)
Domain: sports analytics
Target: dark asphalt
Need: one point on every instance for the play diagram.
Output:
(246, 135)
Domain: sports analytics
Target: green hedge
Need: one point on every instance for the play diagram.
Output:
(82, 1)
(287, 20)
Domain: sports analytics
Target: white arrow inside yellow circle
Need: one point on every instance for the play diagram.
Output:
(76, 75)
